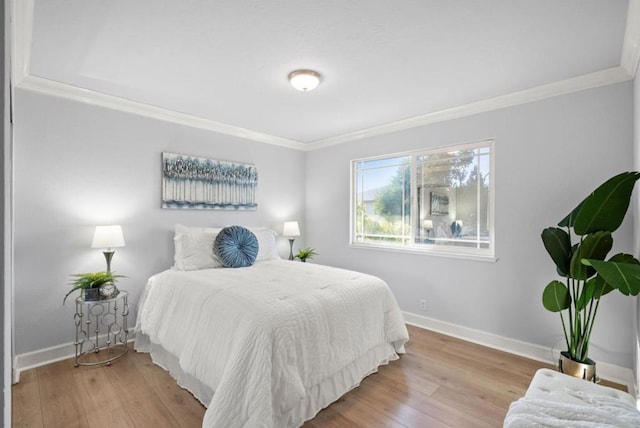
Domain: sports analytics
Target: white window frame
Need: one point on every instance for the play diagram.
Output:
(486, 254)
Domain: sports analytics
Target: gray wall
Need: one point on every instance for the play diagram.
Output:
(549, 155)
(78, 166)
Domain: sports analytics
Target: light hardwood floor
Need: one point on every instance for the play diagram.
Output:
(440, 382)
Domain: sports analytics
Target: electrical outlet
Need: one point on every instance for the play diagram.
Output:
(423, 304)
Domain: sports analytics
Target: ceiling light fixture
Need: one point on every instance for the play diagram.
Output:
(304, 80)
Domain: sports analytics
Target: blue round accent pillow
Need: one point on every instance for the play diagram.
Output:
(236, 247)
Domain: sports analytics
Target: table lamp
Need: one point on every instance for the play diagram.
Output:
(290, 230)
(108, 237)
(428, 226)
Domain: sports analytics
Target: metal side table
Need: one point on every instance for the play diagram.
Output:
(101, 328)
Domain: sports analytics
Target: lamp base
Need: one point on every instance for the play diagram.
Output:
(108, 255)
(291, 248)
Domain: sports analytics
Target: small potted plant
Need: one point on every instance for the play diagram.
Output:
(587, 272)
(305, 253)
(94, 285)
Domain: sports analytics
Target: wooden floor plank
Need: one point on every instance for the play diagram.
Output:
(100, 399)
(138, 398)
(360, 414)
(440, 382)
(331, 417)
(61, 402)
(396, 406)
(474, 405)
(450, 414)
(183, 407)
(26, 406)
(460, 373)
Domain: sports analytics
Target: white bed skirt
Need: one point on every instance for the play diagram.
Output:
(170, 363)
(318, 397)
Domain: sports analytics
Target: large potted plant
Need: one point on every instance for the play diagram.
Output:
(587, 271)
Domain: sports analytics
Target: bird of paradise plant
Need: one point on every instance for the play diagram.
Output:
(587, 275)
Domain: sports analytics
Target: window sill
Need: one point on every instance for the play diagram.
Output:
(428, 252)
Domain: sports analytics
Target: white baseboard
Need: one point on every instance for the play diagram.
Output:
(42, 357)
(607, 371)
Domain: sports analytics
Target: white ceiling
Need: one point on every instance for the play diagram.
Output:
(381, 61)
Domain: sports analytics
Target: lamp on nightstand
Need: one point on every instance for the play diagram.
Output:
(290, 230)
(108, 237)
(427, 225)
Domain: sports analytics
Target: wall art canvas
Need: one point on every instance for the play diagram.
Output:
(439, 204)
(201, 183)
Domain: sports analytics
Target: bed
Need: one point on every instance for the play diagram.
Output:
(272, 344)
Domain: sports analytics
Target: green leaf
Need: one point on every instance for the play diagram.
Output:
(556, 297)
(570, 219)
(624, 258)
(623, 276)
(601, 287)
(558, 245)
(77, 287)
(594, 246)
(94, 279)
(605, 208)
(586, 295)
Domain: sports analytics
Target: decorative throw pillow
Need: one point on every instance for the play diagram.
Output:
(236, 247)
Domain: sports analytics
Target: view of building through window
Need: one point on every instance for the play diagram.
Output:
(436, 200)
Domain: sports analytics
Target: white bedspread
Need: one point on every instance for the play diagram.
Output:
(277, 341)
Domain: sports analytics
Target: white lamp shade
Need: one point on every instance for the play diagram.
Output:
(108, 237)
(304, 80)
(427, 224)
(291, 228)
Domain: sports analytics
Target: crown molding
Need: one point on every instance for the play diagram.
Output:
(580, 83)
(87, 96)
(22, 28)
(631, 45)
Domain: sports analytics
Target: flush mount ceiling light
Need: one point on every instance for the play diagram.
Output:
(304, 80)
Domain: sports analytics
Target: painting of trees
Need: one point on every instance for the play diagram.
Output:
(193, 182)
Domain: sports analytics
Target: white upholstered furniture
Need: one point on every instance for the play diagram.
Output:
(554, 399)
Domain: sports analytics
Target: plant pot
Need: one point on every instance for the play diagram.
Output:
(90, 294)
(586, 371)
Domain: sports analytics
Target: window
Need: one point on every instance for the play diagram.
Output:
(436, 200)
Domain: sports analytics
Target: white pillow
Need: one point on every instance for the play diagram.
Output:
(267, 247)
(194, 248)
